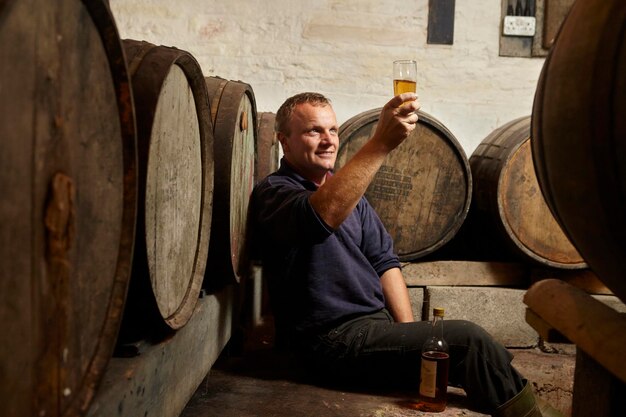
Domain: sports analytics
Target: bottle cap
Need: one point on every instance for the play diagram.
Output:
(438, 311)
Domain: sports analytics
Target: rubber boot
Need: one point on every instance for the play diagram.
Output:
(524, 404)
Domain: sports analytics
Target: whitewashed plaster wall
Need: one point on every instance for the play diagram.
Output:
(344, 50)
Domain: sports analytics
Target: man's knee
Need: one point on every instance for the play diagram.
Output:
(467, 332)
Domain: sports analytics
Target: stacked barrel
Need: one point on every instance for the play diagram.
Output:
(69, 183)
(509, 214)
(439, 205)
(579, 133)
(422, 192)
(579, 150)
(126, 176)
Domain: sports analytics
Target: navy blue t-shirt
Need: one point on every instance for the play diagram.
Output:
(317, 276)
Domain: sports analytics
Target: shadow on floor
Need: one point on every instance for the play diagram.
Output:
(261, 381)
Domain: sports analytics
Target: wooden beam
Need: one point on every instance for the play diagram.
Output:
(441, 22)
(585, 279)
(163, 377)
(555, 13)
(547, 332)
(465, 273)
(593, 326)
(597, 392)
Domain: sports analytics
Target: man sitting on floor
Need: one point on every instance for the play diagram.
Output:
(337, 291)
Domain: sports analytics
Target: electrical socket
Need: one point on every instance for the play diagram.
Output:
(519, 26)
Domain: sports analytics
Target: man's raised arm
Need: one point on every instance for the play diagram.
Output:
(340, 193)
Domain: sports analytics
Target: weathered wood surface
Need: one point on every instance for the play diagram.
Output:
(584, 279)
(465, 273)
(544, 329)
(174, 196)
(555, 12)
(577, 135)
(597, 392)
(267, 146)
(162, 378)
(175, 147)
(422, 191)
(594, 327)
(507, 203)
(233, 110)
(440, 22)
(68, 181)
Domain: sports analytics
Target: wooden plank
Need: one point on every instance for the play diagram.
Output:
(514, 46)
(584, 279)
(162, 378)
(465, 273)
(596, 392)
(538, 49)
(441, 22)
(594, 327)
(554, 14)
(547, 332)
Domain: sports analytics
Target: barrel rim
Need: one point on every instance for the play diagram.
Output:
(516, 133)
(595, 247)
(227, 94)
(267, 145)
(103, 20)
(526, 250)
(156, 61)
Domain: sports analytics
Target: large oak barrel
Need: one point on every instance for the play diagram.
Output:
(267, 146)
(234, 116)
(67, 214)
(175, 154)
(579, 135)
(507, 204)
(422, 192)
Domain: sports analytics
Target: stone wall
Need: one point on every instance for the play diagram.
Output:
(344, 49)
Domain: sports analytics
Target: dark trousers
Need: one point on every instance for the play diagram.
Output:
(375, 350)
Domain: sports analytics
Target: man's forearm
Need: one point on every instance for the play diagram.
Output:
(339, 195)
(397, 295)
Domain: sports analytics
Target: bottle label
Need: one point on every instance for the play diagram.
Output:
(428, 378)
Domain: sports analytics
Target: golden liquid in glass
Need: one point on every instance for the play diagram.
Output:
(404, 86)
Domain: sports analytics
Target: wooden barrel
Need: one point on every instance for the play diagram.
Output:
(234, 116)
(579, 131)
(175, 154)
(422, 192)
(508, 200)
(267, 146)
(68, 181)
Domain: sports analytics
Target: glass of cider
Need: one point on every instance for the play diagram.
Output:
(404, 76)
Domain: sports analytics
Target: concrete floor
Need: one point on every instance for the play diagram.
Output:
(261, 383)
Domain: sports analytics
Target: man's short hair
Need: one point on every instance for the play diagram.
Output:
(284, 113)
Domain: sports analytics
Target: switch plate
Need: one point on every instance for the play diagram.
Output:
(519, 26)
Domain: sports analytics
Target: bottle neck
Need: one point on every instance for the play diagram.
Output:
(436, 342)
(437, 326)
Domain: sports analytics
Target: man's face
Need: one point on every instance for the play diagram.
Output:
(311, 147)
